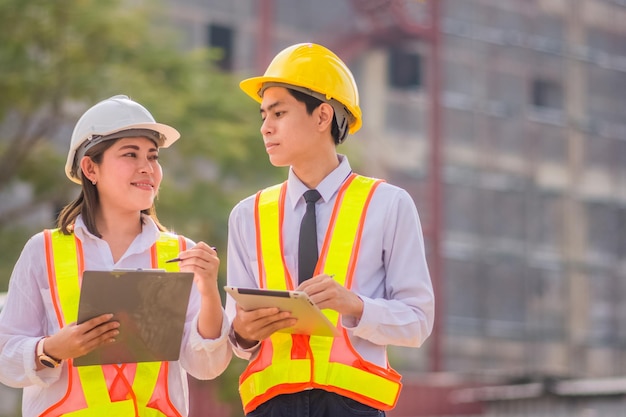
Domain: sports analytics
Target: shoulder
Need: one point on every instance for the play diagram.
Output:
(393, 200)
(35, 242)
(33, 255)
(245, 207)
(389, 192)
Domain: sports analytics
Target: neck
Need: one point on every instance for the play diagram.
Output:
(313, 171)
(117, 224)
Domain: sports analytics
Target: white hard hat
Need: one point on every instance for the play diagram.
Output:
(113, 118)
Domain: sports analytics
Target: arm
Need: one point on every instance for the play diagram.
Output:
(206, 352)
(403, 313)
(26, 317)
(248, 327)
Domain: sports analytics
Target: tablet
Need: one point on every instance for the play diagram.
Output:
(311, 320)
(150, 305)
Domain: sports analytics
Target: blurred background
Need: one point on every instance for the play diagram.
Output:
(504, 119)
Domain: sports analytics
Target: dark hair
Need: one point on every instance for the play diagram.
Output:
(313, 103)
(88, 200)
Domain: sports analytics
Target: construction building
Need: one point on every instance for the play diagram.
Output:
(505, 120)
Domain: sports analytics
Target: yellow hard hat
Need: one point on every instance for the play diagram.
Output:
(318, 71)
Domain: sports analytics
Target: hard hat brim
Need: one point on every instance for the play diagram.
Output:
(253, 86)
(169, 134)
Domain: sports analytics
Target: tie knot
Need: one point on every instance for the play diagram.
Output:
(311, 196)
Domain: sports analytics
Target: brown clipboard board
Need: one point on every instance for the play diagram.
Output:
(311, 320)
(151, 306)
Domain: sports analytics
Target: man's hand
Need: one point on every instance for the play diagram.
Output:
(325, 292)
(256, 325)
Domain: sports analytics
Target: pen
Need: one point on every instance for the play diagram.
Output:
(173, 260)
(179, 259)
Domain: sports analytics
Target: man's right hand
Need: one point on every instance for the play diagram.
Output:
(255, 325)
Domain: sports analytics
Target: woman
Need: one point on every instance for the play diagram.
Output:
(112, 224)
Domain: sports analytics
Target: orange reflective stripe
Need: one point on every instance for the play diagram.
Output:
(331, 363)
(87, 393)
(356, 194)
(270, 203)
(339, 256)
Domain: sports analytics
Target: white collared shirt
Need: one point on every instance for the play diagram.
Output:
(28, 315)
(391, 274)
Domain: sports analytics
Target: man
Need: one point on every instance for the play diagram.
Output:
(370, 279)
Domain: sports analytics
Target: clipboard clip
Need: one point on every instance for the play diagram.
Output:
(138, 269)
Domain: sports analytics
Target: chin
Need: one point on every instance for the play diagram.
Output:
(278, 162)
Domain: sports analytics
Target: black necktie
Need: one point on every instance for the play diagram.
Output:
(307, 248)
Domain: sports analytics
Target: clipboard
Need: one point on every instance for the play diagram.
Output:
(311, 320)
(150, 305)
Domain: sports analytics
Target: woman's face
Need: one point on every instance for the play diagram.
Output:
(129, 176)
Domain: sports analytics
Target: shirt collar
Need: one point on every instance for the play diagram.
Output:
(327, 188)
(149, 232)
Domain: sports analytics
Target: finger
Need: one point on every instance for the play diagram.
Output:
(203, 249)
(95, 322)
(102, 333)
(257, 313)
(200, 258)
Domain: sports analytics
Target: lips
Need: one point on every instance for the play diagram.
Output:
(144, 185)
(270, 145)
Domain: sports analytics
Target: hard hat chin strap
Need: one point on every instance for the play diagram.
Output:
(342, 115)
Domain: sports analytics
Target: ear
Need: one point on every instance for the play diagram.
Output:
(325, 114)
(88, 167)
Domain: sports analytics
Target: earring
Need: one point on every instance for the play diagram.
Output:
(93, 182)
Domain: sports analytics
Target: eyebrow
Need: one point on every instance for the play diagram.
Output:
(270, 107)
(135, 147)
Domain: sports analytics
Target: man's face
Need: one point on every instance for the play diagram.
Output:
(290, 134)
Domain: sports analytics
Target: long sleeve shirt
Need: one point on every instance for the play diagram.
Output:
(28, 315)
(391, 275)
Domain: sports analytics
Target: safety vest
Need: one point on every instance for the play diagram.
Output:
(289, 363)
(131, 389)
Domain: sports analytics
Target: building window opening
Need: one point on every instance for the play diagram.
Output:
(221, 38)
(404, 69)
(547, 94)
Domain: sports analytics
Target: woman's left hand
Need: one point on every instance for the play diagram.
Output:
(203, 261)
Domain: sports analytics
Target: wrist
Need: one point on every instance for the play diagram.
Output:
(43, 358)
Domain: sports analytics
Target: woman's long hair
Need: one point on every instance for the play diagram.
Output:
(88, 202)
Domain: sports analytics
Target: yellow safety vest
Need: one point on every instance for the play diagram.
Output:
(87, 393)
(291, 363)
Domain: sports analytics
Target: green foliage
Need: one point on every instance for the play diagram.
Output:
(58, 58)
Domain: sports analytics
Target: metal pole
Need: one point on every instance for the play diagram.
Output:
(264, 40)
(436, 185)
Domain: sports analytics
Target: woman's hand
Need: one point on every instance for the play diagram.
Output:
(76, 340)
(203, 261)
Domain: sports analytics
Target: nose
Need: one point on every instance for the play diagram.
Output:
(145, 166)
(266, 128)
